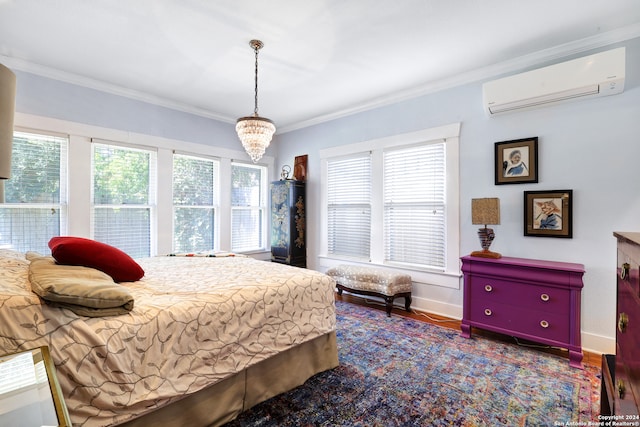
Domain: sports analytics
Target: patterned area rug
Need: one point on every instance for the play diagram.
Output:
(402, 372)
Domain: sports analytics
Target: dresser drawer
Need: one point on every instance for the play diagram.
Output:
(523, 322)
(628, 324)
(628, 269)
(628, 337)
(626, 399)
(485, 289)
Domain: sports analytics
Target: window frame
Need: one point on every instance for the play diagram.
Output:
(437, 147)
(151, 204)
(366, 205)
(263, 207)
(63, 193)
(215, 206)
(449, 134)
(79, 180)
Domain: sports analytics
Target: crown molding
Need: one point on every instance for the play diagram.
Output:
(547, 55)
(513, 65)
(78, 80)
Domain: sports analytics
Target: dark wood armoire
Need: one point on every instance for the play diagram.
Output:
(288, 223)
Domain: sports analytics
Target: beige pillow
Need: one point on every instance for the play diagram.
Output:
(85, 291)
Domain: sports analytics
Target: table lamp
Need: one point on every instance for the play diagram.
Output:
(485, 211)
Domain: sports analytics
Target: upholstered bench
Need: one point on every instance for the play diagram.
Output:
(374, 282)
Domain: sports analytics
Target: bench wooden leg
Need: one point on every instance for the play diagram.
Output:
(389, 304)
(407, 303)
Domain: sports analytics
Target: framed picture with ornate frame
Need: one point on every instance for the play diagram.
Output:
(516, 161)
(548, 213)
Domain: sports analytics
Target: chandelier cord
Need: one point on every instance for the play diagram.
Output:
(255, 109)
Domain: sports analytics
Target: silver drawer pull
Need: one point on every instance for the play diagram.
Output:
(487, 312)
(544, 324)
(488, 288)
(544, 297)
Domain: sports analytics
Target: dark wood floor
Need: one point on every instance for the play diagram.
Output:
(589, 358)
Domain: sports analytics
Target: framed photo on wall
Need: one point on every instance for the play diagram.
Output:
(548, 213)
(516, 161)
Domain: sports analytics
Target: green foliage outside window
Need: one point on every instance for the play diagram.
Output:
(121, 176)
(194, 194)
(35, 170)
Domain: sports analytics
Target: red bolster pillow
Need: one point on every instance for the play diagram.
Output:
(121, 267)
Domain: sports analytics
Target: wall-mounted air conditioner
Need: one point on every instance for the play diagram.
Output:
(595, 75)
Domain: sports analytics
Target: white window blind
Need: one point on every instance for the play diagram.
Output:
(248, 207)
(414, 205)
(195, 202)
(349, 206)
(124, 182)
(35, 208)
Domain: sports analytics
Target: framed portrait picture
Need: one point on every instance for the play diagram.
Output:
(548, 213)
(516, 162)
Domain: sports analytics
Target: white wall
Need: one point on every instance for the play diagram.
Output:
(590, 146)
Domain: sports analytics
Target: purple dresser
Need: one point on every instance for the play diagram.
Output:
(525, 298)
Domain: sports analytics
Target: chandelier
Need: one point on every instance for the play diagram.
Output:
(255, 132)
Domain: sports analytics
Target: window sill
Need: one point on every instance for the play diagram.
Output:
(258, 254)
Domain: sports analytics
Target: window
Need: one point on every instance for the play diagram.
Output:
(35, 207)
(349, 206)
(394, 201)
(195, 202)
(415, 205)
(248, 206)
(123, 197)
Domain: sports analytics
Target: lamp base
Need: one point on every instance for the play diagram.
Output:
(486, 236)
(486, 254)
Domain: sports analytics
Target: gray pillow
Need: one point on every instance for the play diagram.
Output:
(83, 290)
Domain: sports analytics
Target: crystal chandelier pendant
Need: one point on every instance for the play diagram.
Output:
(255, 132)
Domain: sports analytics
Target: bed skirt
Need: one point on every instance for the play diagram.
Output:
(225, 400)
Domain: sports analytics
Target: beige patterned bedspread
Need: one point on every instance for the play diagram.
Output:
(195, 321)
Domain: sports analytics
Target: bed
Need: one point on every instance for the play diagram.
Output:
(207, 338)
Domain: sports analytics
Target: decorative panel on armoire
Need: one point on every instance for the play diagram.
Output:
(288, 236)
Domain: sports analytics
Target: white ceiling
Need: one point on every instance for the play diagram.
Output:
(322, 58)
